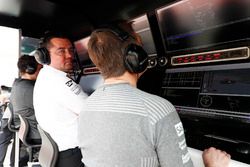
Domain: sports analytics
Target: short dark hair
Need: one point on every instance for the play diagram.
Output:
(48, 35)
(25, 62)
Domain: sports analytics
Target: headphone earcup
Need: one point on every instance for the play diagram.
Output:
(42, 56)
(135, 58)
(30, 69)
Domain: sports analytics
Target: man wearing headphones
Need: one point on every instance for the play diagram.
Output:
(21, 99)
(58, 100)
(122, 125)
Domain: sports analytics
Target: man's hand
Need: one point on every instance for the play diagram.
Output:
(213, 157)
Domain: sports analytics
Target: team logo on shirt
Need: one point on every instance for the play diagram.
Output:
(76, 89)
(182, 144)
(69, 83)
(185, 158)
(179, 129)
(73, 87)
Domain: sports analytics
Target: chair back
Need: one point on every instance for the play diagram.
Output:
(23, 136)
(23, 130)
(49, 150)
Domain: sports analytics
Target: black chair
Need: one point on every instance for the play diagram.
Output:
(23, 136)
(49, 150)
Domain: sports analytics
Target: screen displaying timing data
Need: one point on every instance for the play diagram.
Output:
(212, 56)
(196, 24)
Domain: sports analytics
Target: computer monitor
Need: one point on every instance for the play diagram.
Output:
(189, 25)
(142, 28)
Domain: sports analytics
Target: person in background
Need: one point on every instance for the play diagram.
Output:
(21, 101)
(121, 125)
(4, 98)
(58, 100)
(21, 97)
(5, 134)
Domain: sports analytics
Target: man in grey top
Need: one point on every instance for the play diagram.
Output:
(21, 97)
(120, 125)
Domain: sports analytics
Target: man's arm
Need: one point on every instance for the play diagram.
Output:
(170, 142)
(74, 95)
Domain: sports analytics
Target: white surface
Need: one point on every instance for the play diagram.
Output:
(196, 156)
(9, 53)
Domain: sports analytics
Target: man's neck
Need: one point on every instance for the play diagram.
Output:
(125, 78)
(28, 77)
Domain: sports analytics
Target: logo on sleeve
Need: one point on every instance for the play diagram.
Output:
(185, 158)
(182, 144)
(179, 129)
(69, 83)
(74, 87)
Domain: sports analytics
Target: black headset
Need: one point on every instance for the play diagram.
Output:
(42, 56)
(135, 57)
